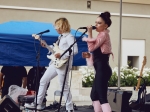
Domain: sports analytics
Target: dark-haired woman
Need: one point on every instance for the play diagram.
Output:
(101, 50)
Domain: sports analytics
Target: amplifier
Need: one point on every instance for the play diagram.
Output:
(119, 100)
(8, 105)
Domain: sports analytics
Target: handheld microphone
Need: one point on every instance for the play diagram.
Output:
(46, 31)
(93, 27)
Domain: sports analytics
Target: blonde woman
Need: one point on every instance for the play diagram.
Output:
(65, 39)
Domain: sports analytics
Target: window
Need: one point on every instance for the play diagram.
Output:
(133, 50)
(133, 61)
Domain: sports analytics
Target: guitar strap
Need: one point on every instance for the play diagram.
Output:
(59, 40)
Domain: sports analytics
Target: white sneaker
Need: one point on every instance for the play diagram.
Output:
(30, 105)
(41, 107)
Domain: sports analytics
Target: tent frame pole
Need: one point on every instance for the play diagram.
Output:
(119, 44)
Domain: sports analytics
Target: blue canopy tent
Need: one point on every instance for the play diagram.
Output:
(19, 48)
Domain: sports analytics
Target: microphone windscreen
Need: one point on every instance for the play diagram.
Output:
(93, 27)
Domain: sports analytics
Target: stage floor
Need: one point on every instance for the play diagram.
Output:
(80, 109)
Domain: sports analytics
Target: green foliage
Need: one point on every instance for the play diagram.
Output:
(89, 81)
(113, 80)
(127, 76)
(88, 76)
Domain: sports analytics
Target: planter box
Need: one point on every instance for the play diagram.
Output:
(79, 93)
(86, 91)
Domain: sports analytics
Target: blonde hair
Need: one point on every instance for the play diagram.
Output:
(62, 24)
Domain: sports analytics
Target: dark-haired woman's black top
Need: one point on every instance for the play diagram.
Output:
(102, 76)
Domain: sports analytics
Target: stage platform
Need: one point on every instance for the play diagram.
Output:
(80, 109)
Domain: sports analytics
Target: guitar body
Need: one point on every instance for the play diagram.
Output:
(57, 62)
(139, 93)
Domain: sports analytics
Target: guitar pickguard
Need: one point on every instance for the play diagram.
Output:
(57, 62)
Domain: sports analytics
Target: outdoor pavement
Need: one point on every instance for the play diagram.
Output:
(82, 107)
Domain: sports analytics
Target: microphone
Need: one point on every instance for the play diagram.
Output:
(93, 27)
(46, 31)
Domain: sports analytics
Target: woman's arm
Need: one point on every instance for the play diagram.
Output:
(95, 43)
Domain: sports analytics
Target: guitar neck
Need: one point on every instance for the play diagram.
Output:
(139, 79)
(47, 46)
(141, 74)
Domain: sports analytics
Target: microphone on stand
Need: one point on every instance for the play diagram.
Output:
(37, 36)
(93, 27)
(46, 31)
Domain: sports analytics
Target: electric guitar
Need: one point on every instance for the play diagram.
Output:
(57, 62)
(139, 79)
(139, 91)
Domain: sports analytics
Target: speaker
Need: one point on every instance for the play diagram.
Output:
(147, 97)
(146, 107)
(8, 105)
(119, 100)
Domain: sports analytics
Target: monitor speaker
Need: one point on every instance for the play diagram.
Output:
(7, 104)
(119, 100)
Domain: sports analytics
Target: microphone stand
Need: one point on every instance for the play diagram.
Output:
(70, 50)
(37, 74)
